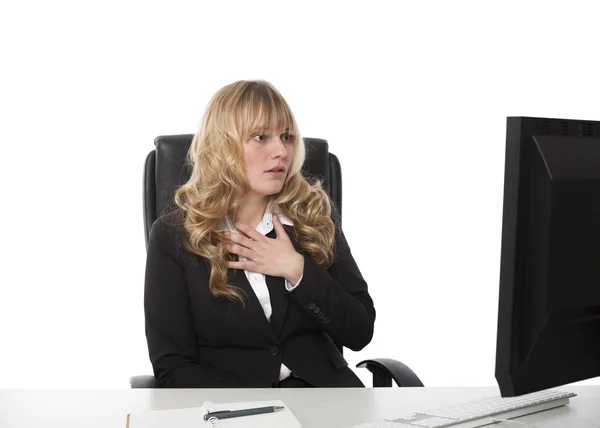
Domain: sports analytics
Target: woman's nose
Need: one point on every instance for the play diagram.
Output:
(279, 149)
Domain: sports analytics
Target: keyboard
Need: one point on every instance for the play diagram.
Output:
(478, 413)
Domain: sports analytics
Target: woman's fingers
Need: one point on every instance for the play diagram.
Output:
(240, 250)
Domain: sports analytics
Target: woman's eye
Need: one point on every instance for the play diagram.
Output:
(286, 137)
(260, 137)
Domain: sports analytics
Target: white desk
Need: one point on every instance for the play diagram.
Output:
(315, 408)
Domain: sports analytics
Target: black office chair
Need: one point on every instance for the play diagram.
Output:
(166, 169)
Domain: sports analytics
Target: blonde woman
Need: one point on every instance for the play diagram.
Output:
(248, 281)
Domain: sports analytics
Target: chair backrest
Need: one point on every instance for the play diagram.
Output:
(166, 169)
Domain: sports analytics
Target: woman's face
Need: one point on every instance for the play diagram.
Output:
(267, 158)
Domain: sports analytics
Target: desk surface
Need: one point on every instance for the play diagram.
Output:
(330, 408)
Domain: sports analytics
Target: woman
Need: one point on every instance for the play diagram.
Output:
(248, 281)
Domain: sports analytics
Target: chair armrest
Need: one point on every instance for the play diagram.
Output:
(386, 369)
(144, 381)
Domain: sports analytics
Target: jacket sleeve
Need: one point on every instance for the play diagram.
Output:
(337, 298)
(169, 325)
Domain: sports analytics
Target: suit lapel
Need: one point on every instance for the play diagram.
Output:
(253, 312)
(279, 302)
(277, 291)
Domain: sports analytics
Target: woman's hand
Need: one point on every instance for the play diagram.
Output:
(274, 257)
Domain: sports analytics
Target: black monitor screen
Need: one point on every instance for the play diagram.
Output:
(549, 300)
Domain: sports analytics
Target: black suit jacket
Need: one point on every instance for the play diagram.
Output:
(196, 340)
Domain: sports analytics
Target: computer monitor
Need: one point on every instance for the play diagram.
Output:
(549, 301)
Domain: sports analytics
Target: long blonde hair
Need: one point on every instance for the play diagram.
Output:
(218, 184)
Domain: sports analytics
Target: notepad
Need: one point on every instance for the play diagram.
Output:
(193, 417)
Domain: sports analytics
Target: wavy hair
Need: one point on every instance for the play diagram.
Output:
(218, 184)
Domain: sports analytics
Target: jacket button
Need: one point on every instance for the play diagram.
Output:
(321, 315)
(274, 351)
(325, 320)
(316, 309)
(311, 306)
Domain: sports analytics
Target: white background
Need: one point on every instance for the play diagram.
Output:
(412, 97)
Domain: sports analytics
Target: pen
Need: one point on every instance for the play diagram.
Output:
(224, 414)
